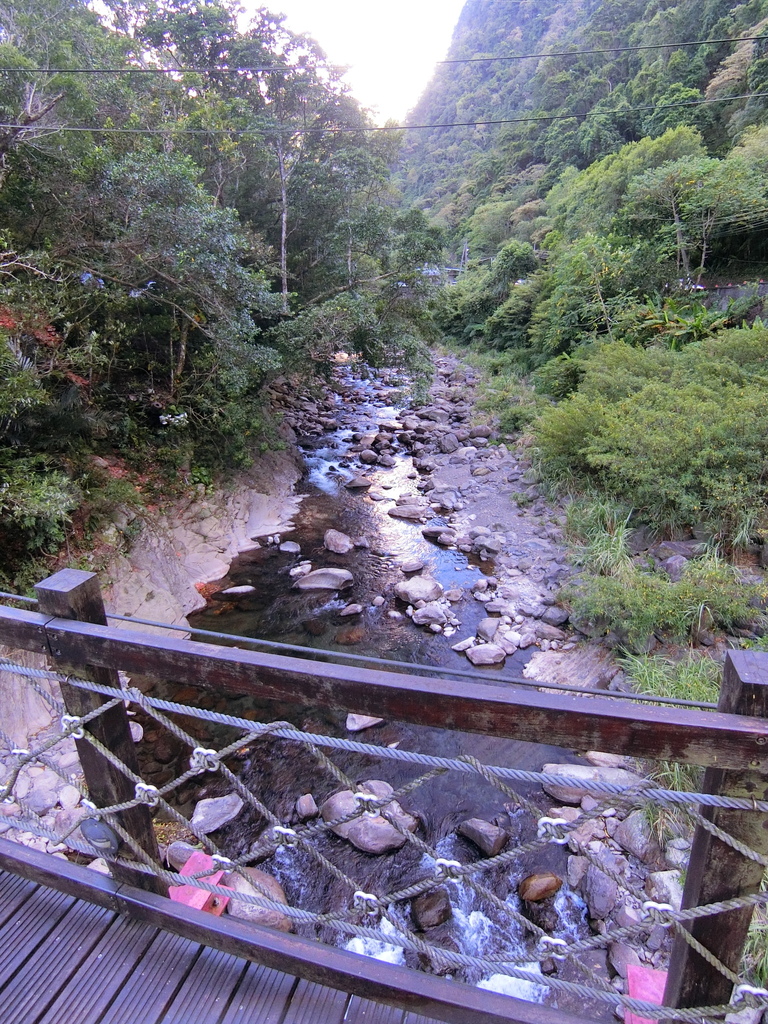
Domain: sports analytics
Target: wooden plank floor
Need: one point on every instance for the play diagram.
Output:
(64, 961)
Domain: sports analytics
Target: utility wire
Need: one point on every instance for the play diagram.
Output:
(607, 49)
(277, 129)
(167, 71)
(247, 69)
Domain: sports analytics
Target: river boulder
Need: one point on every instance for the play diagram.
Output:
(338, 542)
(431, 909)
(486, 654)
(485, 835)
(369, 833)
(418, 588)
(539, 886)
(325, 579)
(259, 884)
(572, 794)
(213, 812)
(436, 613)
(408, 512)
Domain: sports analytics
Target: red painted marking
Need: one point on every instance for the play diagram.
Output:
(647, 984)
(190, 895)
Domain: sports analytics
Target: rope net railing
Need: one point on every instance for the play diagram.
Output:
(363, 864)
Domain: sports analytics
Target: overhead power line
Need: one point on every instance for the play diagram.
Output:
(278, 129)
(606, 49)
(283, 68)
(167, 71)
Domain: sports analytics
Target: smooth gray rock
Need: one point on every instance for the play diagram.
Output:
(589, 773)
(418, 588)
(600, 892)
(337, 542)
(555, 616)
(178, 853)
(622, 956)
(371, 834)
(69, 796)
(44, 794)
(634, 835)
(414, 512)
(432, 614)
(325, 579)
(290, 547)
(685, 548)
(306, 807)
(216, 811)
(674, 567)
(487, 628)
(412, 565)
(665, 887)
(358, 483)
(257, 883)
(486, 654)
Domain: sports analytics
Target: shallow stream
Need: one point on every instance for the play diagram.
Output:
(311, 619)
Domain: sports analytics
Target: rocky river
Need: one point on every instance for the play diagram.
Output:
(413, 534)
(424, 538)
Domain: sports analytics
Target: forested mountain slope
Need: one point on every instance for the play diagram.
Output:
(621, 186)
(187, 207)
(573, 109)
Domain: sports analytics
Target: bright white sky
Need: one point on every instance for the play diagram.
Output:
(390, 46)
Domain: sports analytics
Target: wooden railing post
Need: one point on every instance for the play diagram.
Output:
(72, 594)
(717, 871)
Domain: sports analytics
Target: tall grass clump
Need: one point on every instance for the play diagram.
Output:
(599, 529)
(639, 603)
(695, 677)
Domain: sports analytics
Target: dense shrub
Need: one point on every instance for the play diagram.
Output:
(681, 437)
(636, 604)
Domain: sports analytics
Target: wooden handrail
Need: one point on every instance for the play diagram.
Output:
(709, 739)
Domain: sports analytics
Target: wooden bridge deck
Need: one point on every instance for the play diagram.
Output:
(65, 961)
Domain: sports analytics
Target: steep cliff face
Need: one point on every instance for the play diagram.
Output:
(194, 543)
(614, 73)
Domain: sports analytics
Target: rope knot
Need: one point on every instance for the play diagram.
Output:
(549, 829)
(367, 902)
(368, 799)
(286, 836)
(203, 759)
(548, 946)
(659, 913)
(146, 794)
(448, 868)
(750, 995)
(73, 726)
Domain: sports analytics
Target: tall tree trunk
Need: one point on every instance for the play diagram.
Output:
(283, 224)
(183, 336)
(682, 251)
